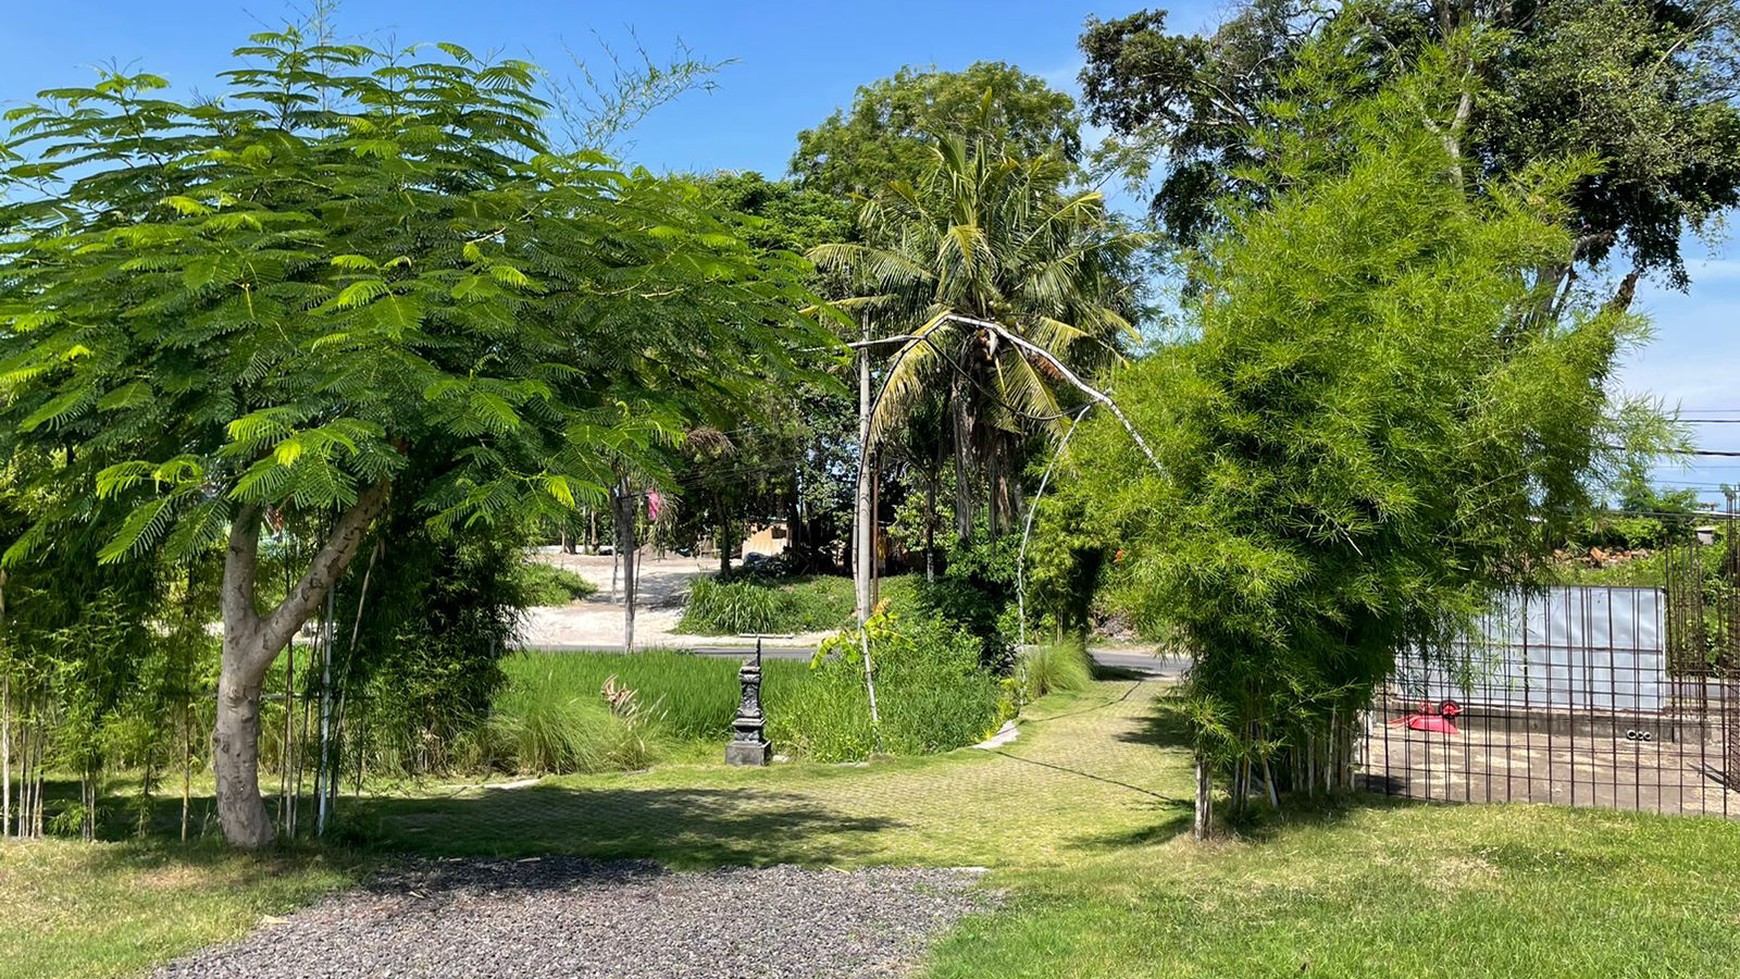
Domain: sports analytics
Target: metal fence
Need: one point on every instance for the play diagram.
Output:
(1623, 698)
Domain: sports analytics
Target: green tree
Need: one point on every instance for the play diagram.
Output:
(985, 245)
(791, 449)
(1647, 88)
(350, 264)
(882, 136)
(1360, 447)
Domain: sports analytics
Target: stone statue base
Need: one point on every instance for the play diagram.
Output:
(748, 752)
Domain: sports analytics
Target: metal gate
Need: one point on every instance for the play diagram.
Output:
(1625, 698)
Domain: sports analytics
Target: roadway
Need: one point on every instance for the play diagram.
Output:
(1129, 660)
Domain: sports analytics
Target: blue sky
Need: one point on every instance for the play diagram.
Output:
(793, 64)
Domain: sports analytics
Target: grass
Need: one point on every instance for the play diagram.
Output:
(1082, 820)
(94, 910)
(1063, 666)
(1465, 892)
(688, 697)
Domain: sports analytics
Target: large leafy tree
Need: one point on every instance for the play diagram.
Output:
(350, 265)
(984, 242)
(882, 136)
(1647, 88)
(790, 449)
(1364, 441)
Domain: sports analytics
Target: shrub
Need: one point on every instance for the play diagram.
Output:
(718, 608)
(932, 693)
(755, 602)
(543, 724)
(976, 593)
(546, 584)
(1048, 669)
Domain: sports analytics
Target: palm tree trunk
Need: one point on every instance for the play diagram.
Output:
(963, 439)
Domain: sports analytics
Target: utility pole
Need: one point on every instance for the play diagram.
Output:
(875, 526)
(863, 530)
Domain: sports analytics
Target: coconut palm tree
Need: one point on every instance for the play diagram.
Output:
(983, 237)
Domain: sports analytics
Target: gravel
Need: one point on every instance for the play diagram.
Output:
(561, 917)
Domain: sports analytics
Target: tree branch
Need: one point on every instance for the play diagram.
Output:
(323, 572)
(1068, 375)
(241, 560)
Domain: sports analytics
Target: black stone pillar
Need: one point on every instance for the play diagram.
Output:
(749, 744)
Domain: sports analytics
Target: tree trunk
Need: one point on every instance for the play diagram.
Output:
(235, 742)
(1202, 825)
(930, 488)
(252, 642)
(963, 439)
(622, 509)
(724, 538)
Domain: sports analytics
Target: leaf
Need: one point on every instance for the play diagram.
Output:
(396, 314)
(130, 395)
(265, 481)
(60, 408)
(560, 490)
(186, 205)
(114, 480)
(360, 293)
(197, 530)
(510, 275)
(456, 52)
(200, 273)
(142, 529)
(381, 148)
(475, 288)
(259, 425)
(288, 451)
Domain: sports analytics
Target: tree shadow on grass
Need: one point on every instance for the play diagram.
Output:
(682, 828)
(1172, 819)
(1162, 728)
(685, 828)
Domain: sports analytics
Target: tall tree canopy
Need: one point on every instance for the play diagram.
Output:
(350, 265)
(882, 136)
(986, 239)
(1647, 88)
(1359, 448)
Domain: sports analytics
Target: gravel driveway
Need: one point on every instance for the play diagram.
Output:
(561, 917)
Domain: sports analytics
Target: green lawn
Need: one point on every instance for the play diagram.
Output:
(1081, 821)
(111, 909)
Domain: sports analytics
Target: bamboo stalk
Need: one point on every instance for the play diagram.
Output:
(1204, 800)
(5, 727)
(5, 751)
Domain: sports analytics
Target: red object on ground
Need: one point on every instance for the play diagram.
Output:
(1438, 725)
(1436, 720)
